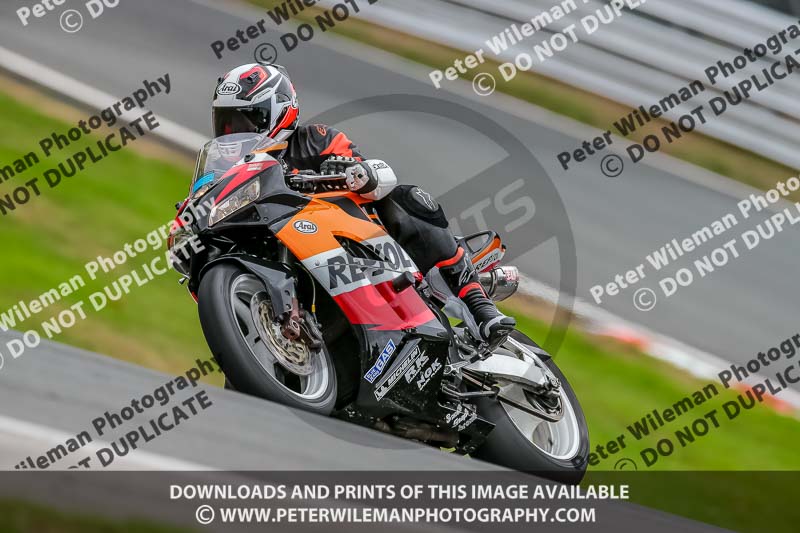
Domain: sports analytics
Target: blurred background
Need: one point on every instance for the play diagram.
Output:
(791, 7)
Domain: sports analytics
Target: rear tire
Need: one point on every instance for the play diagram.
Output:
(508, 446)
(249, 362)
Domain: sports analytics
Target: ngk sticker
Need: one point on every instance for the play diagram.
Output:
(427, 374)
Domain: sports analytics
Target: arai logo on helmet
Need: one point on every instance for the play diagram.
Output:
(304, 226)
(229, 88)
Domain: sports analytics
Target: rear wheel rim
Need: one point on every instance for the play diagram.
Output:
(246, 292)
(559, 440)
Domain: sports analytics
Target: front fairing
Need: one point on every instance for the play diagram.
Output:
(276, 201)
(355, 262)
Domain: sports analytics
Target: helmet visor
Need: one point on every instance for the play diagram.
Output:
(229, 120)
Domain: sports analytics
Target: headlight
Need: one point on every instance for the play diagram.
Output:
(237, 201)
(179, 250)
(203, 185)
(203, 190)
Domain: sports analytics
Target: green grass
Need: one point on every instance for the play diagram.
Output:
(19, 517)
(96, 212)
(741, 476)
(618, 385)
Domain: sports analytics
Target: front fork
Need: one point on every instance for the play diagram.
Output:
(296, 323)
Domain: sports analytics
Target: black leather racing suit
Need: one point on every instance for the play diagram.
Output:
(414, 219)
(409, 214)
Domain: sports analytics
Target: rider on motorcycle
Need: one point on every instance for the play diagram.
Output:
(261, 99)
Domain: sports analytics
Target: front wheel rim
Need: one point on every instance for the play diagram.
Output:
(246, 291)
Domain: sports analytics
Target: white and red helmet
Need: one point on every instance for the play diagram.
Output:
(255, 98)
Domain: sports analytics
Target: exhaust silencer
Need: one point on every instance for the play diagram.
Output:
(500, 283)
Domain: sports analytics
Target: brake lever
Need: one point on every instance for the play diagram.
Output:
(315, 178)
(305, 183)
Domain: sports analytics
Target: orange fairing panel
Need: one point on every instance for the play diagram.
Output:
(361, 287)
(490, 256)
(312, 231)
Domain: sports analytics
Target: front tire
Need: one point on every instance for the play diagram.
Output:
(228, 301)
(557, 451)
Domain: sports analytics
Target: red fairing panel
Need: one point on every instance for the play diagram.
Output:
(379, 304)
(243, 174)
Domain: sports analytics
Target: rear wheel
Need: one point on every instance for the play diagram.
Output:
(522, 441)
(239, 326)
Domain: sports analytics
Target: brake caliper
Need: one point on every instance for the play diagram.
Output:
(290, 322)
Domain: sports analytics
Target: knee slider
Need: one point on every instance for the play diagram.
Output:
(420, 204)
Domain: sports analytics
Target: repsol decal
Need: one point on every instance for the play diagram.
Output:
(392, 253)
(493, 257)
(341, 273)
(345, 270)
(397, 372)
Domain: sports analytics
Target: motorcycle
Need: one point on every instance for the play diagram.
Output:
(305, 300)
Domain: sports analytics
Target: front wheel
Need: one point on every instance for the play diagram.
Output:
(522, 441)
(236, 317)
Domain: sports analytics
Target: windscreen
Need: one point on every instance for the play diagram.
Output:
(221, 154)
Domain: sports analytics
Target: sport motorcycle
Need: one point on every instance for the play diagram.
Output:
(305, 300)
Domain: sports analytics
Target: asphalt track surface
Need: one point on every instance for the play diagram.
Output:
(235, 433)
(746, 307)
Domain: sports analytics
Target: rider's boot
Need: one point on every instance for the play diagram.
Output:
(460, 275)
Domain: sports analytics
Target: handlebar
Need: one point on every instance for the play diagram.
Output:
(321, 178)
(311, 183)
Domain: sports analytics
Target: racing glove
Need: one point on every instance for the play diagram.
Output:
(337, 164)
(373, 179)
